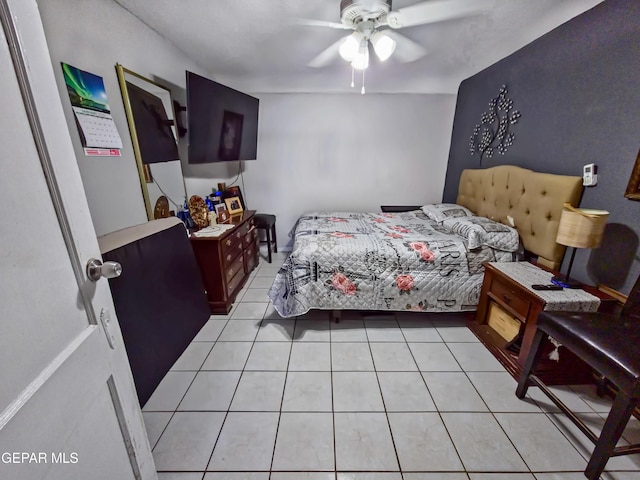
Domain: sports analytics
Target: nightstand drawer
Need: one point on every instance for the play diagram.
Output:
(507, 317)
(505, 324)
(506, 295)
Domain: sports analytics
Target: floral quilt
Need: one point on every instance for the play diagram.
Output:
(379, 261)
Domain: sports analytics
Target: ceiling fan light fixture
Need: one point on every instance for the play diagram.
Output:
(383, 45)
(350, 46)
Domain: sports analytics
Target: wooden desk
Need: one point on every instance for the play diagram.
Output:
(503, 295)
(226, 261)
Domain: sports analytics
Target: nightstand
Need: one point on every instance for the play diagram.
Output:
(507, 313)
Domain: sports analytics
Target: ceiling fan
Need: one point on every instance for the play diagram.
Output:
(374, 21)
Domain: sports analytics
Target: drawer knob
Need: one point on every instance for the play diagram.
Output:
(506, 297)
(230, 273)
(228, 257)
(228, 242)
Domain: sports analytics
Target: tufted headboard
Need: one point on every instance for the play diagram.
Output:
(534, 200)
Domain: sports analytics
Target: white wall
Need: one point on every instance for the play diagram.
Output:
(315, 151)
(342, 152)
(94, 35)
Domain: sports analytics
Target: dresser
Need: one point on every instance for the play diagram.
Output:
(226, 261)
(507, 316)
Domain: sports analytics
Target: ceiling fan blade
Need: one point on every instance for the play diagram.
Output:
(321, 23)
(432, 11)
(406, 49)
(325, 57)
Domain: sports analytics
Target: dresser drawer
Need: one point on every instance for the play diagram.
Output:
(231, 248)
(507, 295)
(250, 237)
(251, 257)
(235, 275)
(240, 231)
(236, 266)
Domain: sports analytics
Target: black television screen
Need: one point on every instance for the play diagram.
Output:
(222, 122)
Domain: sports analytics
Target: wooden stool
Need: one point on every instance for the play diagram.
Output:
(608, 343)
(267, 222)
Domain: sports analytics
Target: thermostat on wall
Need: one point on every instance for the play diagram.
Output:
(590, 175)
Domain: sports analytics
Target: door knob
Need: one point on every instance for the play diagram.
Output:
(96, 269)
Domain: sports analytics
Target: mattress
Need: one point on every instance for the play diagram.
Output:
(379, 261)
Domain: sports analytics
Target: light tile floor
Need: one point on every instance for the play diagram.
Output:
(399, 396)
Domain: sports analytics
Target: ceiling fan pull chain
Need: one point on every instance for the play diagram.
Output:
(362, 90)
(353, 72)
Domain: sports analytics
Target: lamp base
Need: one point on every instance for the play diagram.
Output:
(565, 282)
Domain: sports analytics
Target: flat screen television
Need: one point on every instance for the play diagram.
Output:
(222, 122)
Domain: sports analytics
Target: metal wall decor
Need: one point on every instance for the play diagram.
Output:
(493, 132)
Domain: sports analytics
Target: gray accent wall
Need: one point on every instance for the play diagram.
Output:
(578, 91)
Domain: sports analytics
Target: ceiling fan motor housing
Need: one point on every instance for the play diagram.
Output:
(352, 12)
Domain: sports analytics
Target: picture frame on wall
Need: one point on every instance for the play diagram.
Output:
(633, 188)
(233, 205)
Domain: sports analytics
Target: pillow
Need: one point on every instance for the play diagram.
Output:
(479, 231)
(441, 211)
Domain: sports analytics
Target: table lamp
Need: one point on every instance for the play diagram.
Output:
(579, 228)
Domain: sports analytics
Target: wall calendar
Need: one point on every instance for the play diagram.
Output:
(91, 110)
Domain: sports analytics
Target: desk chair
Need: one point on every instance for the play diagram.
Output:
(266, 222)
(608, 343)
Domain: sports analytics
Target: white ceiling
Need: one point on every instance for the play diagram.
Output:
(256, 45)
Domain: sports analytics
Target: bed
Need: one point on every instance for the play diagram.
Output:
(428, 260)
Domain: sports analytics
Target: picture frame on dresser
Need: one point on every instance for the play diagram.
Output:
(223, 213)
(234, 191)
(233, 205)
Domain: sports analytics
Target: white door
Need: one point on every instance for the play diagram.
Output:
(68, 408)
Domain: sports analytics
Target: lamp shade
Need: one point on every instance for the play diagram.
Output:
(383, 45)
(581, 228)
(350, 46)
(361, 60)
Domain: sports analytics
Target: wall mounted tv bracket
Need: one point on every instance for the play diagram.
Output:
(178, 109)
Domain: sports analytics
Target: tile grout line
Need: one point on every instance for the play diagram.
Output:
(333, 408)
(444, 425)
(224, 420)
(173, 413)
(284, 388)
(384, 405)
